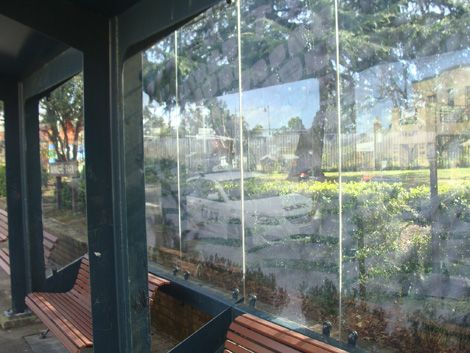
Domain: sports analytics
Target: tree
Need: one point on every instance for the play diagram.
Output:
(257, 130)
(62, 121)
(295, 124)
(62, 118)
(280, 34)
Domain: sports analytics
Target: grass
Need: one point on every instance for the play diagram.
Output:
(450, 177)
(411, 177)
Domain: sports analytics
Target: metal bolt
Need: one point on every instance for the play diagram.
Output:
(352, 338)
(327, 328)
(186, 275)
(252, 300)
(235, 293)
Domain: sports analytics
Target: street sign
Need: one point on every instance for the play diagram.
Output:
(66, 169)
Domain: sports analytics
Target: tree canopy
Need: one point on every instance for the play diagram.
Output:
(290, 40)
(62, 118)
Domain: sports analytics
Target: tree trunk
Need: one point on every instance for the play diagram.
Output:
(310, 146)
(76, 136)
(58, 192)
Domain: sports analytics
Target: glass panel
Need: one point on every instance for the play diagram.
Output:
(193, 199)
(405, 200)
(160, 150)
(290, 146)
(210, 148)
(61, 134)
(3, 184)
(355, 214)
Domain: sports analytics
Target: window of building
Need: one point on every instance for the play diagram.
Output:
(431, 99)
(451, 97)
(467, 97)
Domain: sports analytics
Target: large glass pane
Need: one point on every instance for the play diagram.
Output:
(355, 214)
(61, 134)
(210, 148)
(290, 146)
(160, 150)
(192, 148)
(3, 187)
(405, 200)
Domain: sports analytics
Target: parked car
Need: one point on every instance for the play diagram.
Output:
(214, 205)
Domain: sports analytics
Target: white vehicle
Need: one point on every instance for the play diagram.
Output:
(214, 210)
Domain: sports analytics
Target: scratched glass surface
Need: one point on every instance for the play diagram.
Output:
(316, 155)
(62, 155)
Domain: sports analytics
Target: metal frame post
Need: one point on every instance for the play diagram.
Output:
(115, 200)
(32, 194)
(18, 277)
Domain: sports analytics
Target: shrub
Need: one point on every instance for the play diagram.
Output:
(66, 194)
(321, 301)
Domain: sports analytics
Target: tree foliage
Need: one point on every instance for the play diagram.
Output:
(290, 40)
(62, 118)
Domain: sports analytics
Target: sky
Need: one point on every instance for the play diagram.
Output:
(275, 105)
(272, 107)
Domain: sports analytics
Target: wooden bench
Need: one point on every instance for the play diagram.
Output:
(248, 333)
(49, 242)
(3, 225)
(68, 315)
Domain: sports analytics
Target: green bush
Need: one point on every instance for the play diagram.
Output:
(66, 194)
(386, 226)
(320, 301)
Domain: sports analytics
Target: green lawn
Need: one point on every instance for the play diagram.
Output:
(451, 177)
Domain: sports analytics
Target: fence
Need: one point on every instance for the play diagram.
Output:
(392, 150)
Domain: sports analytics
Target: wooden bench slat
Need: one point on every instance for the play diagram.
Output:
(295, 335)
(84, 301)
(293, 345)
(4, 228)
(68, 307)
(4, 217)
(248, 344)
(73, 312)
(50, 237)
(5, 261)
(68, 315)
(260, 336)
(60, 324)
(231, 347)
(54, 327)
(69, 322)
(49, 242)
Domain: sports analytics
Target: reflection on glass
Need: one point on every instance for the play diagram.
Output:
(211, 223)
(2, 159)
(61, 135)
(191, 146)
(355, 213)
(289, 105)
(405, 174)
